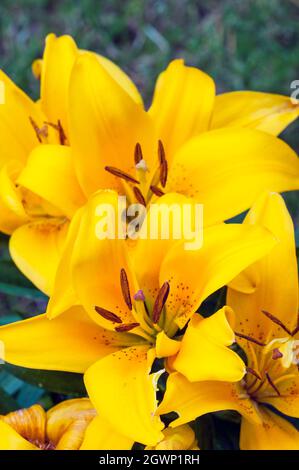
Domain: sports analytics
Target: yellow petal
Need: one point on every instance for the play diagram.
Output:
(267, 112)
(63, 295)
(192, 399)
(69, 343)
(227, 169)
(288, 401)
(59, 56)
(166, 346)
(123, 392)
(180, 438)
(67, 423)
(11, 440)
(99, 435)
(49, 173)
(30, 423)
(121, 78)
(204, 352)
(274, 433)
(226, 250)
(149, 252)
(17, 135)
(182, 105)
(97, 263)
(12, 211)
(36, 248)
(106, 123)
(273, 279)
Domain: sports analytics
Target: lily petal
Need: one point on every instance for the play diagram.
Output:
(266, 290)
(127, 396)
(182, 105)
(59, 57)
(28, 245)
(193, 399)
(97, 263)
(67, 423)
(49, 173)
(11, 440)
(105, 123)
(274, 433)
(288, 401)
(204, 352)
(226, 249)
(69, 343)
(99, 435)
(12, 211)
(227, 169)
(17, 135)
(267, 112)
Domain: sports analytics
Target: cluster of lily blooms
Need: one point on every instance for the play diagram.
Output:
(116, 307)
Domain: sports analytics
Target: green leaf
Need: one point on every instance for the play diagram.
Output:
(7, 403)
(53, 381)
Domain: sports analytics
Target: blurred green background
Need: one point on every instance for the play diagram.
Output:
(243, 44)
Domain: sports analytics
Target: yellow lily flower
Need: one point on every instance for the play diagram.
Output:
(63, 427)
(39, 191)
(174, 147)
(129, 305)
(265, 299)
(189, 141)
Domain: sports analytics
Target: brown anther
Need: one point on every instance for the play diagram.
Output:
(108, 315)
(121, 174)
(249, 338)
(272, 384)
(295, 330)
(163, 173)
(37, 130)
(157, 191)
(160, 302)
(126, 327)
(139, 196)
(138, 153)
(253, 372)
(277, 321)
(161, 152)
(58, 127)
(276, 354)
(125, 288)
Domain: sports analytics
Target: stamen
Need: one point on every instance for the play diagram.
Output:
(58, 127)
(276, 354)
(249, 338)
(160, 301)
(108, 315)
(139, 196)
(138, 156)
(141, 165)
(161, 152)
(157, 191)
(277, 321)
(124, 283)
(43, 131)
(295, 330)
(121, 174)
(272, 384)
(127, 327)
(163, 173)
(139, 295)
(253, 372)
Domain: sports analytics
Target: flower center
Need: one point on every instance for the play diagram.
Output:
(150, 323)
(142, 189)
(270, 364)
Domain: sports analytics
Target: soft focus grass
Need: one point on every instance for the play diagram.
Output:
(243, 44)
